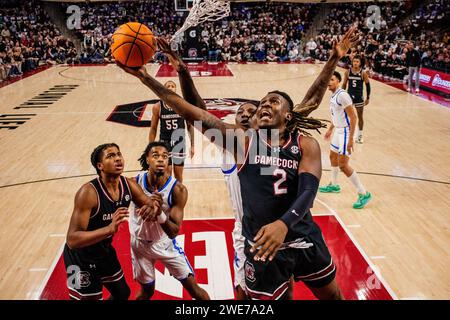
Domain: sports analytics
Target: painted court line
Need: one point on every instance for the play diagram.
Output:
(49, 273)
(37, 269)
(57, 235)
(363, 253)
(204, 218)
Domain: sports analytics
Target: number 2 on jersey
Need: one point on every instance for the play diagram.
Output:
(277, 188)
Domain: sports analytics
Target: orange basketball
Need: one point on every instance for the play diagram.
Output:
(133, 44)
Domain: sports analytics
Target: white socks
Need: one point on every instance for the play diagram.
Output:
(360, 133)
(334, 175)
(358, 185)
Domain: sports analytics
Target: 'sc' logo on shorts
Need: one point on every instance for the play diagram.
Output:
(249, 271)
(83, 277)
(294, 149)
(127, 197)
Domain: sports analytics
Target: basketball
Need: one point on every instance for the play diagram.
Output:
(133, 44)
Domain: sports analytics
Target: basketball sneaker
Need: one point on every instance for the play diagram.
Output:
(330, 188)
(363, 199)
(360, 139)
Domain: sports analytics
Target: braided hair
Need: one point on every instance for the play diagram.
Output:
(300, 120)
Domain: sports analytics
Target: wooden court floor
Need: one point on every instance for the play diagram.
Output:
(404, 162)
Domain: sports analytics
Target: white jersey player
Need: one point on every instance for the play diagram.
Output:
(154, 240)
(341, 131)
(229, 170)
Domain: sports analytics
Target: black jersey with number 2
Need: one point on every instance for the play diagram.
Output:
(269, 185)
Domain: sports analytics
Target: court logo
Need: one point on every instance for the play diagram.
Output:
(249, 271)
(192, 53)
(84, 279)
(139, 114)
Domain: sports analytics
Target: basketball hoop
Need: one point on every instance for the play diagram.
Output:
(204, 10)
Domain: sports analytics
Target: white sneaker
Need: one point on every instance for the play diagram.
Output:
(360, 139)
(417, 91)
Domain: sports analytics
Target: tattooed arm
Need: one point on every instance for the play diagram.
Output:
(192, 114)
(190, 93)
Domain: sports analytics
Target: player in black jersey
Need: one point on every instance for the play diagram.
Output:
(172, 132)
(355, 77)
(279, 224)
(101, 206)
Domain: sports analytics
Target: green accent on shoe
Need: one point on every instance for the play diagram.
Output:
(330, 188)
(363, 199)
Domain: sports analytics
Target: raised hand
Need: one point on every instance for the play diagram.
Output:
(157, 203)
(173, 57)
(139, 72)
(349, 40)
(118, 218)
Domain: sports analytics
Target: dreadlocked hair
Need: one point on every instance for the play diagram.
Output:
(96, 155)
(301, 122)
(143, 158)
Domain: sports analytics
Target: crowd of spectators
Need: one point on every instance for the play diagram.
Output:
(260, 32)
(252, 32)
(385, 47)
(28, 39)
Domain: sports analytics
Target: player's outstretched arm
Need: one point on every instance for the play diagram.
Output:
(270, 237)
(154, 123)
(171, 225)
(189, 112)
(315, 93)
(188, 89)
(85, 202)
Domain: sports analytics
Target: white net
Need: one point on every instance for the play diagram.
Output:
(204, 10)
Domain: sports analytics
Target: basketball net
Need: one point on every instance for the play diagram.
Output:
(204, 10)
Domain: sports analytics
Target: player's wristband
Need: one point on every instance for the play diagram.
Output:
(162, 218)
(307, 190)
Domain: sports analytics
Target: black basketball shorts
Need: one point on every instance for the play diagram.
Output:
(270, 280)
(86, 275)
(358, 101)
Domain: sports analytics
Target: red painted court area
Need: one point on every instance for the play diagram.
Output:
(204, 69)
(209, 247)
